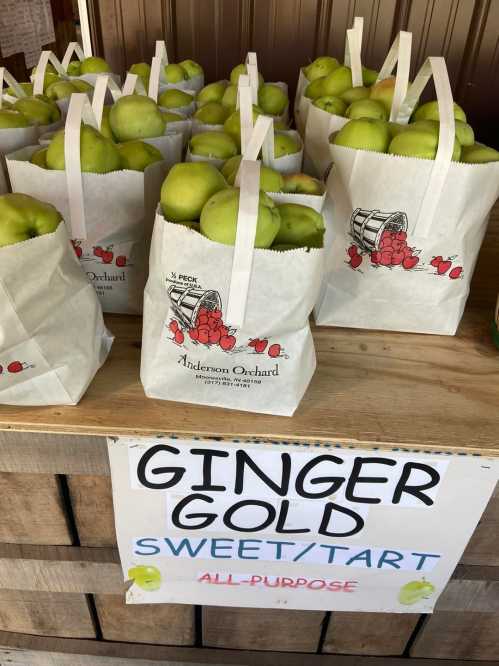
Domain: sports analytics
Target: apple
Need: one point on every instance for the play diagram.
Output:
(270, 180)
(284, 144)
(105, 126)
(369, 76)
(93, 65)
(213, 92)
(301, 183)
(136, 117)
(27, 87)
(82, 86)
(338, 81)
(396, 128)
(366, 108)
(186, 189)
(170, 117)
(272, 99)
(191, 68)
(364, 134)
(97, 153)
(23, 217)
(218, 145)
(74, 68)
(464, 133)
(331, 104)
(383, 92)
(143, 71)
(191, 224)
(300, 225)
(146, 577)
(49, 68)
(212, 113)
(320, 67)
(315, 89)
(414, 591)
(353, 94)
(229, 98)
(10, 118)
(419, 143)
(429, 111)
(281, 125)
(138, 155)
(431, 126)
(60, 90)
(219, 218)
(233, 124)
(38, 109)
(174, 73)
(174, 98)
(39, 158)
(241, 69)
(478, 153)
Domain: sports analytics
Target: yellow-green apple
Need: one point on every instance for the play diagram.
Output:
(338, 81)
(174, 73)
(218, 220)
(186, 189)
(320, 67)
(39, 158)
(138, 155)
(415, 591)
(97, 153)
(213, 92)
(429, 111)
(229, 98)
(170, 117)
(300, 225)
(60, 90)
(94, 65)
(270, 180)
(191, 68)
(105, 126)
(383, 92)
(331, 104)
(478, 153)
(74, 68)
(281, 125)
(218, 145)
(396, 128)
(10, 118)
(419, 143)
(241, 69)
(233, 124)
(25, 85)
(272, 99)
(363, 134)
(174, 98)
(212, 113)
(464, 133)
(285, 144)
(369, 76)
(301, 183)
(354, 94)
(315, 89)
(82, 86)
(366, 108)
(146, 577)
(143, 71)
(136, 117)
(23, 217)
(38, 109)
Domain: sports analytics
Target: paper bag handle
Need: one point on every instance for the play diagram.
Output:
(242, 263)
(6, 76)
(433, 67)
(400, 55)
(160, 50)
(104, 83)
(261, 136)
(156, 65)
(39, 79)
(73, 48)
(244, 103)
(85, 28)
(353, 50)
(252, 69)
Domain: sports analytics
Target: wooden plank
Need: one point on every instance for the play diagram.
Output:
(483, 547)
(162, 624)
(92, 502)
(451, 635)
(31, 510)
(46, 614)
(262, 629)
(369, 633)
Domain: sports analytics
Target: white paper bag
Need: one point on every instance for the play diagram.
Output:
(258, 295)
(193, 84)
(52, 335)
(437, 210)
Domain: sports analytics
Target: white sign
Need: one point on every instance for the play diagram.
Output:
(25, 26)
(292, 525)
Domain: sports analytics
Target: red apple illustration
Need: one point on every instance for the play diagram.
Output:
(193, 334)
(107, 257)
(173, 326)
(15, 366)
(456, 272)
(352, 251)
(98, 251)
(410, 262)
(203, 336)
(356, 261)
(179, 337)
(227, 342)
(261, 346)
(274, 350)
(121, 261)
(436, 261)
(443, 267)
(375, 257)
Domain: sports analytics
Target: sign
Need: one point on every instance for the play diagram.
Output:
(292, 525)
(25, 26)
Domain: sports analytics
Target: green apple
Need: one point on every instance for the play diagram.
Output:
(429, 111)
(229, 98)
(191, 224)
(301, 183)
(218, 145)
(233, 124)
(23, 217)
(170, 117)
(396, 128)
(60, 90)
(300, 225)
(212, 113)
(97, 153)
(464, 133)
(284, 144)
(38, 109)
(414, 591)
(146, 577)
(27, 87)
(320, 67)
(105, 126)
(383, 92)
(431, 126)
(174, 73)
(331, 104)
(138, 155)
(82, 86)
(241, 69)
(419, 143)
(315, 89)
(191, 68)
(10, 118)
(219, 218)
(272, 99)
(478, 153)
(281, 125)
(270, 180)
(213, 92)
(369, 76)
(39, 158)
(93, 65)
(136, 117)
(366, 108)
(186, 189)
(49, 68)
(338, 81)
(143, 71)
(354, 94)
(74, 68)
(174, 98)
(364, 134)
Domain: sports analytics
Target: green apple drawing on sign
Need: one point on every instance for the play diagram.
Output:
(414, 591)
(147, 578)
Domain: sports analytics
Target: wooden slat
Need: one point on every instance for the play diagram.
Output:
(369, 633)
(31, 510)
(162, 624)
(483, 547)
(92, 503)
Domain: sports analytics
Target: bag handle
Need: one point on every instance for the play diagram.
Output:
(104, 83)
(436, 68)
(85, 28)
(156, 65)
(73, 48)
(399, 55)
(161, 51)
(244, 103)
(261, 136)
(43, 61)
(242, 263)
(353, 50)
(252, 69)
(6, 76)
